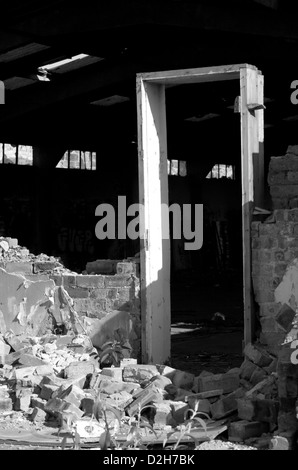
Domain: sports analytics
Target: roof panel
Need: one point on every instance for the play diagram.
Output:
(73, 63)
(23, 51)
(17, 82)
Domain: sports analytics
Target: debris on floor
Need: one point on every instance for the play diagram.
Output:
(57, 381)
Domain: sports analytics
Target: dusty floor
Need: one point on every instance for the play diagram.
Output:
(197, 341)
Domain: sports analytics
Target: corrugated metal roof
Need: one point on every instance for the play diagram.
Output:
(23, 51)
(17, 82)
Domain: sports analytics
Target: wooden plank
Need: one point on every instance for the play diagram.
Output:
(259, 175)
(249, 146)
(155, 252)
(198, 75)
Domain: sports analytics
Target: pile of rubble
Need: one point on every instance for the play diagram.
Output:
(11, 252)
(57, 379)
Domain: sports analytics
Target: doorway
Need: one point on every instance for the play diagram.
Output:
(153, 191)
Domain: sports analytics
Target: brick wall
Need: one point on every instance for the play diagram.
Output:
(94, 295)
(275, 279)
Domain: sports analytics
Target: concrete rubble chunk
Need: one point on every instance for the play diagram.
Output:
(183, 379)
(179, 408)
(37, 402)
(114, 372)
(166, 371)
(139, 373)
(5, 404)
(119, 400)
(159, 381)
(38, 415)
(77, 369)
(163, 414)
(109, 386)
(47, 391)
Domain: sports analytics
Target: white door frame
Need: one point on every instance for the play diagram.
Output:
(153, 191)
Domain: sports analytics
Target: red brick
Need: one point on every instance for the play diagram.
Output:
(15, 267)
(226, 382)
(258, 410)
(118, 280)
(241, 430)
(126, 268)
(93, 281)
(226, 405)
(45, 266)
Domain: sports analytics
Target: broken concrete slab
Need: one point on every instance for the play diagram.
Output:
(24, 307)
(114, 372)
(183, 379)
(138, 373)
(38, 415)
(79, 368)
(163, 414)
(101, 331)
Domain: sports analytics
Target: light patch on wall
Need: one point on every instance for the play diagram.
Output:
(221, 170)
(78, 160)
(177, 168)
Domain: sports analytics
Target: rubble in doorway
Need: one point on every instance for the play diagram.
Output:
(58, 381)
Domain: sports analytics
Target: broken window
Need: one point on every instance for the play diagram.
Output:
(78, 160)
(221, 170)
(16, 154)
(177, 168)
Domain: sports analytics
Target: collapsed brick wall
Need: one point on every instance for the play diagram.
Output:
(275, 279)
(96, 298)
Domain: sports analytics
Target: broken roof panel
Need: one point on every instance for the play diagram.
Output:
(72, 63)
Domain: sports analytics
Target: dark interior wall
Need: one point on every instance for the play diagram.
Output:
(52, 210)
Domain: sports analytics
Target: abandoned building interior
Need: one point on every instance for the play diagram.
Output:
(70, 141)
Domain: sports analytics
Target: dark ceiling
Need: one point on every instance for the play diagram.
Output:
(125, 38)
